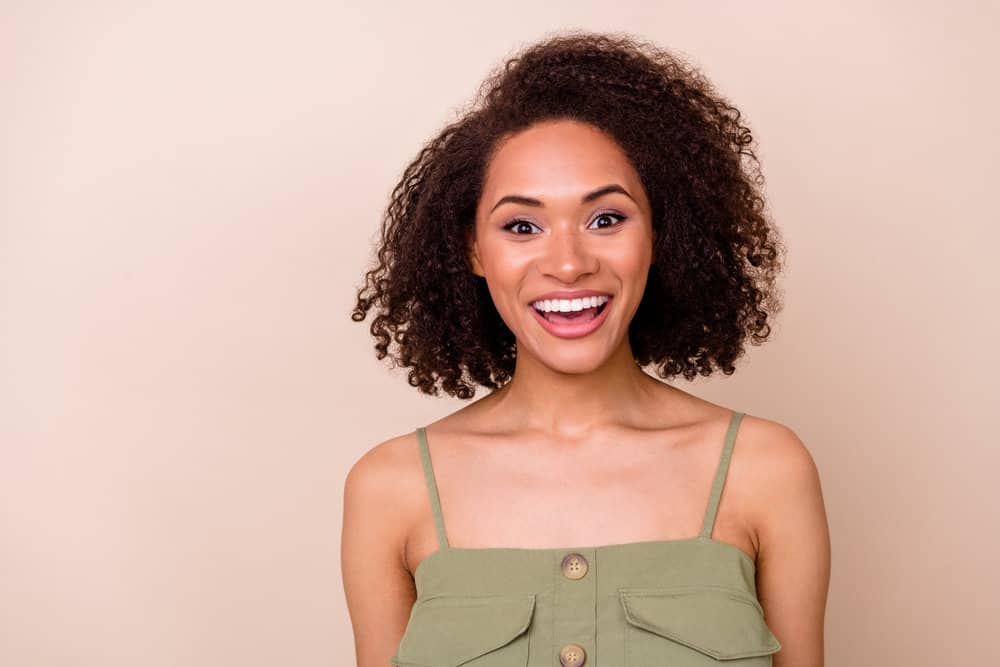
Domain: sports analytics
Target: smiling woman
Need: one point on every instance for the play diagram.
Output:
(597, 212)
(684, 154)
(548, 234)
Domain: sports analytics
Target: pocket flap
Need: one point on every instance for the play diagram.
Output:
(450, 630)
(725, 623)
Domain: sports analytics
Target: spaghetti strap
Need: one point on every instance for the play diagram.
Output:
(720, 475)
(432, 490)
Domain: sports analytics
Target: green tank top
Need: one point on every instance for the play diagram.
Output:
(681, 603)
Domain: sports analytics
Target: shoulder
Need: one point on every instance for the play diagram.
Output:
(377, 584)
(392, 468)
(789, 518)
(784, 498)
(384, 466)
(774, 455)
(385, 479)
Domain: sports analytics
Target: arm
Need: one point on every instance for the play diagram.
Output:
(377, 584)
(793, 563)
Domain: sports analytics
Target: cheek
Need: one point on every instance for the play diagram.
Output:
(504, 275)
(502, 279)
(631, 261)
(504, 264)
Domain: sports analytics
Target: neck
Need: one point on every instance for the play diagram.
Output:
(570, 404)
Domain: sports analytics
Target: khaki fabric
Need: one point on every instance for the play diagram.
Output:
(681, 603)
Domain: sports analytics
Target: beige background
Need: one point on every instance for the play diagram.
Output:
(188, 194)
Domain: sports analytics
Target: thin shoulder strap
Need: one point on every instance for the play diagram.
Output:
(432, 490)
(720, 475)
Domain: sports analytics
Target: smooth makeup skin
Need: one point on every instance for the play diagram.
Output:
(589, 229)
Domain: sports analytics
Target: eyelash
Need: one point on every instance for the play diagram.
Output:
(605, 214)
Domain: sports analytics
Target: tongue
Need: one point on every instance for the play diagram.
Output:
(572, 316)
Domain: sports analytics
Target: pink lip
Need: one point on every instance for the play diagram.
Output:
(573, 329)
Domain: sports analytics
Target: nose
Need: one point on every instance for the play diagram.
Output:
(567, 257)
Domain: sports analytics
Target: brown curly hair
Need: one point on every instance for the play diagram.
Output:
(716, 255)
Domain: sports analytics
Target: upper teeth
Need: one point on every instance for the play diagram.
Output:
(566, 305)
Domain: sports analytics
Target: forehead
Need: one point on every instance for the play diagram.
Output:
(553, 159)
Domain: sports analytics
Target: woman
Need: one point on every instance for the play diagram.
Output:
(597, 212)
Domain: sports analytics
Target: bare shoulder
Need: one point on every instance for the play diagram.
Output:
(384, 458)
(385, 477)
(777, 469)
(377, 506)
(778, 454)
(787, 511)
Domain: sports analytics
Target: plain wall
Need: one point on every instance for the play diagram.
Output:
(190, 192)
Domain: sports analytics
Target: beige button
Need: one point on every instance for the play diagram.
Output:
(574, 566)
(572, 655)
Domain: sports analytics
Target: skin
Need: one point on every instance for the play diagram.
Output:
(629, 440)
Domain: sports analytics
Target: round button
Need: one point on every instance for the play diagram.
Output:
(574, 566)
(572, 655)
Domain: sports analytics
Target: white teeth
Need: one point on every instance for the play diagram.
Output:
(566, 305)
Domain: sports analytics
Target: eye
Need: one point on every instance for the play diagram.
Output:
(522, 224)
(617, 217)
(510, 226)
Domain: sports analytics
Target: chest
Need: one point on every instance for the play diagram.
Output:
(683, 603)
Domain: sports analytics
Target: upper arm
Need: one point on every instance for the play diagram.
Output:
(377, 585)
(793, 564)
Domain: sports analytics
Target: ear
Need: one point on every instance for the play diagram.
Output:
(473, 251)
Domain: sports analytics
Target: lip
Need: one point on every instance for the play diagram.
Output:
(573, 329)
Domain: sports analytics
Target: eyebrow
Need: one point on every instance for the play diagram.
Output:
(529, 201)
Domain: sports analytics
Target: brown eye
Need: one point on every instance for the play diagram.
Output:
(517, 224)
(617, 217)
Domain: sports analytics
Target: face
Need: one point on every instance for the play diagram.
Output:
(563, 222)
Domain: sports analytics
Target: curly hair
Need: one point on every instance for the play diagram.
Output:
(716, 255)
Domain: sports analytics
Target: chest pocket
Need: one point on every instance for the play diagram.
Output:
(472, 630)
(692, 626)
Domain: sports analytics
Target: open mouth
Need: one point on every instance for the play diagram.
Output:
(574, 316)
